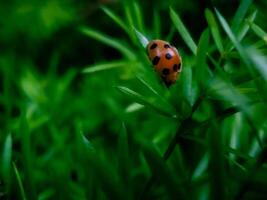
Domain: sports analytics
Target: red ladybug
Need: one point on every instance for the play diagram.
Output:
(166, 60)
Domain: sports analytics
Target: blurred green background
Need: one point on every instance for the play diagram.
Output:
(83, 115)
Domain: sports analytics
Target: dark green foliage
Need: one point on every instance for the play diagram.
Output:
(83, 115)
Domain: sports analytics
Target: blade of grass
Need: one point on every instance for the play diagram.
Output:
(104, 66)
(141, 38)
(252, 168)
(245, 27)
(246, 57)
(21, 188)
(201, 68)
(183, 31)
(258, 31)
(238, 19)
(156, 24)
(110, 183)
(7, 154)
(190, 88)
(240, 14)
(201, 167)
(123, 159)
(27, 158)
(134, 107)
(139, 17)
(260, 62)
(214, 30)
(216, 164)
(243, 30)
(163, 173)
(170, 34)
(115, 18)
(153, 91)
(145, 101)
(187, 126)
(129, 18)
(148, 86)
(109, 41)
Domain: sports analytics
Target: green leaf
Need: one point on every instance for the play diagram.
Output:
(201, 167)
(139, 17)
(147, 85)
(27, 158)
(47, 194)
(146, 102)
(141, 38)
(162, 172)
(130, 19)
(7, 154)
(104, 66)
(123, 158)
(258, 31)
(245, 27)
(216, 164)
(190, 88)
(134, 107)
(247, 58)
(214, 30)
(21, 188)
(183, 31)
(109, 41)
(106, 176)
(243, 30)
(240, 14)
(87, 145)
(156, 24)
(259, 61)
(115, 18)
(201, 68)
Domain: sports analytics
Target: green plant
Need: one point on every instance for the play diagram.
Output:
(112, 130)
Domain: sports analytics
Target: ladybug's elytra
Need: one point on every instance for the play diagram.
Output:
(166, 60)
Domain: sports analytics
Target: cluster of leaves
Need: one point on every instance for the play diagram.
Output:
(121, 134)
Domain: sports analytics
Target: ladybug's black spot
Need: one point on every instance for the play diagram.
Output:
(153, 46)
(175, 67)
(166, 46)
(168, 56)
(165, 71)
(155, 60)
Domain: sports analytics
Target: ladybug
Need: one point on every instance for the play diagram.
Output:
(165, 59)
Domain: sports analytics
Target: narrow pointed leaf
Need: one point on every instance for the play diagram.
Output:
(141, 38)
(214, 30)
(240, 14)
(156, 24)
(258, 31)
(109, 41)
(201, 66)
(7, 154)
(245, 27)
(139, 17)
(246, 57)
(146, 102)
(183, 31)
(115, 18)
(123, 159)
(21, 188)
(216, 164)
(105, 66)
(163, 172)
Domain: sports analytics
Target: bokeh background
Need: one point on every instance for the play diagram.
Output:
(84, 116)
